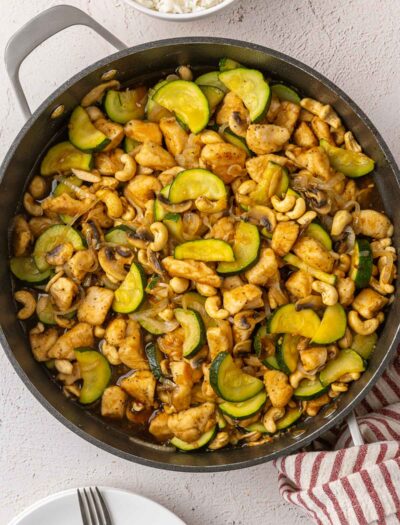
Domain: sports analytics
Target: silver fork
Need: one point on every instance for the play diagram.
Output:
(93, 507)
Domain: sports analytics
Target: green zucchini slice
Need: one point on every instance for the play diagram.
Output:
(285, 93)
(310, 389)
(246, 249)
(131, 292)
(207, 250)
(174, 224)
(221, 421)
(211, 79)
(295, 261)
(291, 416)
(154, 358)
(262, 194)
(159, 211)
(154, 325)
(195, 301)
(226, 64)
(83, 134)
(235, 140)
(194, 330)
(287, 353)
(25, 269)
(214, 96)
(230, 383)
(130, 144)
(95, 372)
(245, 408)
(119, 235)
(52, 237)
(286, 320)
(196, 182)
(270, 361)
(187, 101)
(318, 232)
(123, 106)
(346, 362)
(333, 325)
(351, 163)
(364, 345)
(250, 86)
(361, 263)
(63, 157)
(64, 187)
(195, 445)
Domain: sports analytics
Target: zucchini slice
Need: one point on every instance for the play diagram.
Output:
(154, 358)
(95, 372)
(207, 250)
(346, 362)
(245, 408)
(295, 261)
(226, 64)
(230, 383)
(270, 361)
(174, 224)
(353, 164)
(235, 140)
(154, 325)
(246, 249)
(195, 445)
(130, 144)
(286, 320)
(285, 93)
(364, 345)
(214, 96)
(25, 269)
(194, 329)
(65, 187)
(287, 354)
(333, 325)
(119, 235)
(83, 134)
(159, 211)
(52, 237)
(196, 182)
(63, 157)
(361, 263)
(211, 79)
(123, 106)
(291, 416)
(187, 101)
(195, 301)
(130, 294)
(44, 310)
(155, 112)
(318, 232)
(264, 190)
(250, 86)
(309, 389)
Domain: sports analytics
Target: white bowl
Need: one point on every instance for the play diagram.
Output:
(174, 17)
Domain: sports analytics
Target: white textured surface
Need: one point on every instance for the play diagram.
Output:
(354, 43)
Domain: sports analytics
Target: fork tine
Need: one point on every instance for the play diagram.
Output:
(89, 504)
(83, 509)
(106, 514)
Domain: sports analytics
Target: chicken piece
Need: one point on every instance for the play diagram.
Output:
(80, 264)
(95, 306)
(304, 137)
(264, 269)
(219, 338)
(223, 229)
(153, 156)
(266, 138)
(131, 350)
(109, 162)
(115, 331)
(284, 237)
(182, 377)
(372, 224)
(368, 303)
(41, 342)
(299, 284)
(38, 225)
(314, 357)
(175, 136)
(171, 344)
(273, 109)
(141, 189)
(314, 253)
(207, 392)
(225, 160)
(189, 425)
(21, 236)
(113, 402)
(78, 336)
(113, 131)
(143, 131)
(346, 288)
(63, 292)
(278, 388)
(193, 270)
(322, 130)
(60, 254)
(140, 385)
(246, 296)
(315, 160)
(287, 115)
(158, 427)
(65, 204)
(231, 104)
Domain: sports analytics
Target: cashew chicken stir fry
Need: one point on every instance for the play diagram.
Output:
(198, 258)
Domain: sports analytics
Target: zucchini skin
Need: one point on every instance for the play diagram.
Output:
(362, 263)
(153, 355)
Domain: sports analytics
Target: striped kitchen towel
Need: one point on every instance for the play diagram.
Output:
(352, 485)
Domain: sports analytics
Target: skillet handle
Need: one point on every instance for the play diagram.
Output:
(39, 29)
(354, 430)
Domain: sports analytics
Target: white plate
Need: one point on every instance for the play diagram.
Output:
(125, 508)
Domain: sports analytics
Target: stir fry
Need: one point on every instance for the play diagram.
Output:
(198, 259)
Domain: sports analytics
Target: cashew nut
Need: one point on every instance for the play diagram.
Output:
(220, 440)
(339, 387)
(205, 205)
(29, 304)
(328, 292)
(185, 73)
(344, 262)
(284, 205)
(64, 366)
(205, 289)
(347, 340)
(38, 187)
(129, 168)
(349, 377)
(213, 308)
(350, 142)
(210, 137)
(308, 217)
(160, 232)
(113, 203)
(362, 327)
(87, 176)
(94, 113)
(247, 187)
(270, 418)
(297, 376)
(341, 219)
(179, 284)
(298, 210)
(31, 206)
